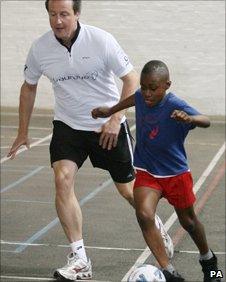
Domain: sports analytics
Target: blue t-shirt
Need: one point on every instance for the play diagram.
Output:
(159, 138)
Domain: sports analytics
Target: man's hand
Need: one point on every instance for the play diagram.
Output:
(181, 116)
(101, 112)
(20, 141)
(109, 134)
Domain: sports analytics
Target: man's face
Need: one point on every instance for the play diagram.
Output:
(153, 88)
(62, 18)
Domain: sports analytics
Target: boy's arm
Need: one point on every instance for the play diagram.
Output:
(198, 120)
(104, 112)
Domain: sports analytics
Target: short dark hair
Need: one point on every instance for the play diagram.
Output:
(157, 67)
(77, 5)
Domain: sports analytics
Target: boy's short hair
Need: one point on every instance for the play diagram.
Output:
(77, 5)
(155, 66)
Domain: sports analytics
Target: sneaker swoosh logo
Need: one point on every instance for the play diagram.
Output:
(79, 269)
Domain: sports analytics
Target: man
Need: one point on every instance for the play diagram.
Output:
(80, 61)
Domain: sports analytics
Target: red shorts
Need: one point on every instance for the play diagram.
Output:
(178, 190)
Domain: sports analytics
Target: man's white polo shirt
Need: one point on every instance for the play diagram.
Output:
(83, 78)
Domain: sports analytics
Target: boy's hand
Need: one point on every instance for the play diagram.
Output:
(181, 116)
(101, 112)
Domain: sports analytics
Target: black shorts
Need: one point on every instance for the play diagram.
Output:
(77, 145)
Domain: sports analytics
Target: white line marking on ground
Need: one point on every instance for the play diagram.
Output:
(30, 127)
(13, 165)
(202, 144)
(49, 171)
(23, 278)
(146, 253)
(209, 168)
(40, 145)
(38, 278)
(18, 169)
(14, 137)
(92, 247)
(22, 179)
(4, 159)
(197, 252)
(43, 144)
(27, 201)
(33, 114)
(67, 246)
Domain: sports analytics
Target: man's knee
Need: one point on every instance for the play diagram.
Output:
(64, 180)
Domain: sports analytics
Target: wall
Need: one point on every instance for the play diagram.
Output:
(188, 35)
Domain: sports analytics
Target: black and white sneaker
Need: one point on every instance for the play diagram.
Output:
(172, 276)
(208, 266)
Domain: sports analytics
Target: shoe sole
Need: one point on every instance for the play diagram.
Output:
(60, 277)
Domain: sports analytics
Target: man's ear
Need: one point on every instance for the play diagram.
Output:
(168, 84)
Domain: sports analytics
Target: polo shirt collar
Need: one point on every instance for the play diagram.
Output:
(73, 39)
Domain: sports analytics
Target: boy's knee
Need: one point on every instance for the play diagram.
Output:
(144, 216)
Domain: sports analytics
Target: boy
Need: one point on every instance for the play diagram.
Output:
(162, 123)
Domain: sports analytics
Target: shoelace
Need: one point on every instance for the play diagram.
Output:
(69, 261)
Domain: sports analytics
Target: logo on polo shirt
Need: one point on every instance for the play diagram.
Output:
(88, 76)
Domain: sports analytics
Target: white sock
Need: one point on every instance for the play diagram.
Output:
(206, 256)
(79, 248)
(170, 268)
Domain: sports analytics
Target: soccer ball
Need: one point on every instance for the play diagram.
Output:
(146, 273)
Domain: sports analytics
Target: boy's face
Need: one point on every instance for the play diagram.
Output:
(153, 88)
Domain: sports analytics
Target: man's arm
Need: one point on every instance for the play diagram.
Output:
(198, 120)
(110, 130)
(27, 99)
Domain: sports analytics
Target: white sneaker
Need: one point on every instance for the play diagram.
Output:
(75, 269)
(165, 236)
